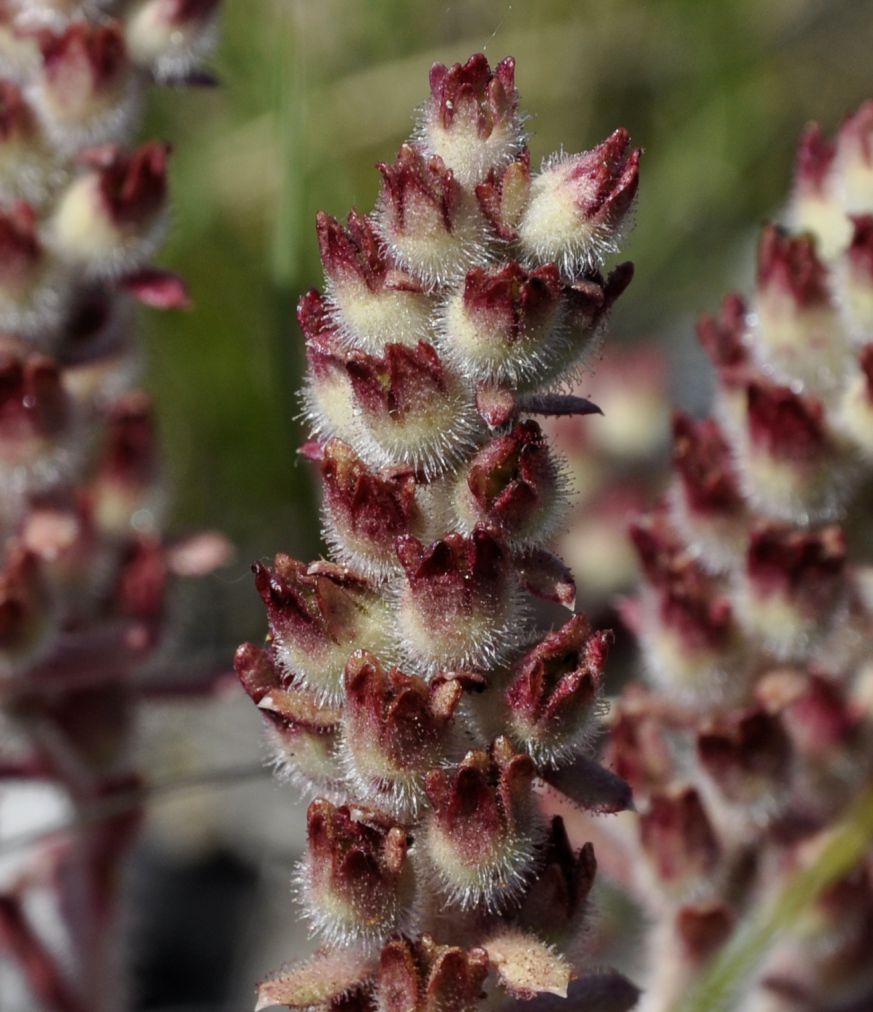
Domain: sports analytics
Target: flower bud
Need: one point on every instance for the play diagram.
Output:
(112, 218)
(375, 303)
(24, 162)
(432, 227)
(686, 627)
(319, 614)
(554, 698)
(790, 466)
(724, 340)
(31, 290)
(355, 879)
(506, 325)
(423, 976)
(36, 419)
(793, 588)
(504, 194)
(471, 120)
(854, 161)
(124, 489)
(303, 733)
(578, 204)
(85, 93)
(514, 486)
(706, 504)
(677, 837)
(395, 729)
(637, 749)
(327, 395)
(855, 410)
(413, 412)
(366, 511)
(555, 909)
(798, 337)
(816, 204)
(172, 37)
(855, 281)
(481, 838)
(27, 613)
(747, 760)
(458, 606)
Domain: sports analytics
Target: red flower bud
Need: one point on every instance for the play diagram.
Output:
(431, 226)
(514, 486)
(554, 696)
(319, 614)
(798, 336)
(481, 838)
(422, 976)
(111, 219)
(854, 162)
(366, 511)
(794, 586)
(35, 418)
(679, 840)
(855, 280)
(355, 879)
(458, 603)
(816, 204)
(26, 611)
(504, 194)
(413, 412)
(505, 326)
(578, 204)
(472, 120)
(376, 303)
(302, 731)
(637, 749)
(395, 729)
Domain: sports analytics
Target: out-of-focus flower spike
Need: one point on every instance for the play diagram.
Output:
(854, 161)
(482, 835)
(578, 205)
(798, 337)
(458, 603)
(395, 729)
(506, 325)
(793, 587)
(32, 288)
(375, 302)
(554, 698)
(302, 732)
(471, 119)
(423, 976)
(854, 415)
(429, 223)
(172, 38)
(504, 194)
(355, 880)
(366, 511)
(86, 92)
(686, 625)
(706, 504)
(513, 485)
(789, 463)
(816, 204)
(112, 218)
(413, 412)
(319, 614)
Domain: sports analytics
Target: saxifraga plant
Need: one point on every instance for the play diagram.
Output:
(425, 685)
(749, 741)
(85, 569)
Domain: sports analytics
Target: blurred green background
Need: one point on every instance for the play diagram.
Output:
(314, 93)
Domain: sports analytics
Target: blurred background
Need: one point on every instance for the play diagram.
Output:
(312, 95)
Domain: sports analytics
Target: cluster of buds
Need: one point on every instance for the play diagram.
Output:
(752, 734)
(84, 568)
(431, 685)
